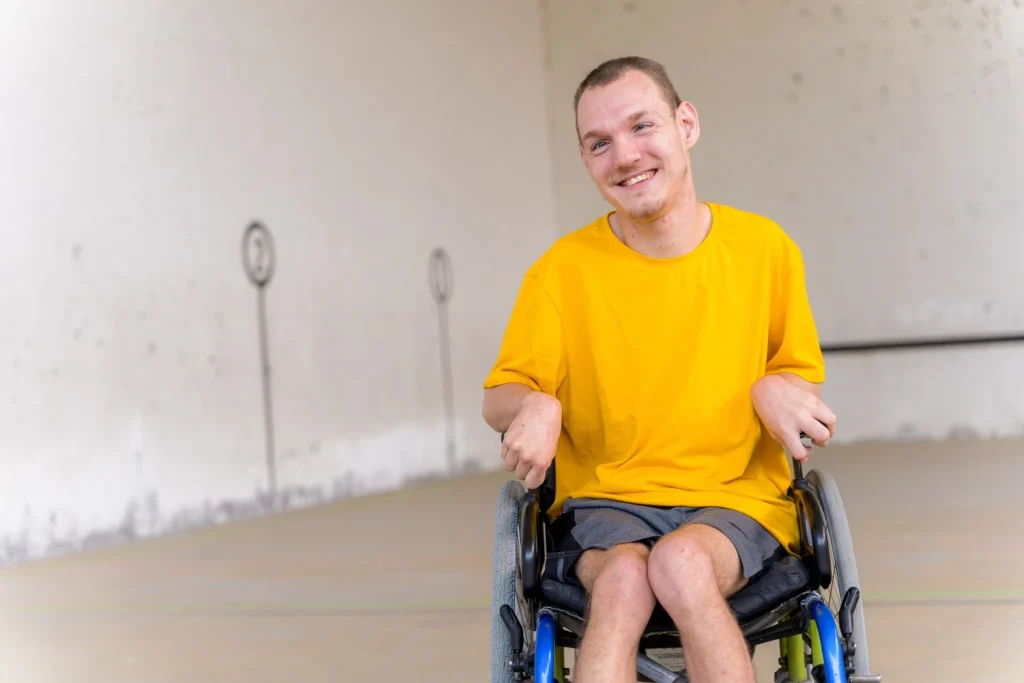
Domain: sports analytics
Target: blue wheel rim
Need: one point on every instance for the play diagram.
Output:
(828, 635)
(544, 659)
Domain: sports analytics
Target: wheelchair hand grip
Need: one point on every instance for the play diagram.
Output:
(798, 468)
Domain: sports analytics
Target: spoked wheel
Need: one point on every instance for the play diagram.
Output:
(844, 566)
(505, 592)
(844, 563)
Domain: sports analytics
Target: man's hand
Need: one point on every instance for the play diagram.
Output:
(787, 409)
(531, 440)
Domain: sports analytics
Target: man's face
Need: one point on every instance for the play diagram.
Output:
(635, 147)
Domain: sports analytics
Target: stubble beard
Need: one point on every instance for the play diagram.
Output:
(646, 213)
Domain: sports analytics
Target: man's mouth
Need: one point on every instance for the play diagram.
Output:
(637, 179)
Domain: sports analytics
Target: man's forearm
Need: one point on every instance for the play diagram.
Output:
(502, 403)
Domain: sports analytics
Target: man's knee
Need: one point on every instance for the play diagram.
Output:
(681, 570)
(618, 575)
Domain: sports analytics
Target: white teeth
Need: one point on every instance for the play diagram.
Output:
(634, 181)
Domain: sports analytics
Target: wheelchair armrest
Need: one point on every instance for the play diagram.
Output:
(532, 542)
(813, 534)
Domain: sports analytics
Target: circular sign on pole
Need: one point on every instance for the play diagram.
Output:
(258, 261)
(258, 254)
(441, 278)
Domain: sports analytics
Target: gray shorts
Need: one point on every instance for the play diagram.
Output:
(585, 524)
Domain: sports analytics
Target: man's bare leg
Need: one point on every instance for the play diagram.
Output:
(692, 571)
(621, 603)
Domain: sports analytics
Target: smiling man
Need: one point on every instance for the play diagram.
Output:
(663, 354)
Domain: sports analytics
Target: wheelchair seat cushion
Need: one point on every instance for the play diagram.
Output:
(767, 590)
(602, 524)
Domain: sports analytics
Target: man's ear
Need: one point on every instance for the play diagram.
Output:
(689, 123)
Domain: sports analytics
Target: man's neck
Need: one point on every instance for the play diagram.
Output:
(674, 234)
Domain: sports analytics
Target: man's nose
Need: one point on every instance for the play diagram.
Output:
(626, 154)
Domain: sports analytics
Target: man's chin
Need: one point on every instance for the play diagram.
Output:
(638, 211)
(644, 212)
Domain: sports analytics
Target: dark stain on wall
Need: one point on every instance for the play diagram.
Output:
(143, 517)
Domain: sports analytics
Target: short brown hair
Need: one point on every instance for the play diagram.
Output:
(614, 69)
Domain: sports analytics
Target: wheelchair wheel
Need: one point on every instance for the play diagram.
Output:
(504, 589)
(844, 563)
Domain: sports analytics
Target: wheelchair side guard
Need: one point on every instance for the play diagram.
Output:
(532, 538)
(813, 534)
(811, 520)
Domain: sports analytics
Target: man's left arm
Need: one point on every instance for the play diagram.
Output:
(788, 397)
(790, 406)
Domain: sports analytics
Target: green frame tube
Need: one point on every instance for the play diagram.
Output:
(792, 648)
(817, 659)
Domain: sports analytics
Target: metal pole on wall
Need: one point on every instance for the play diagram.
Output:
(441, 285)
(258, 260)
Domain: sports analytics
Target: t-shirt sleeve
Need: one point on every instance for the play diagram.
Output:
(532, 351)
(793, 344)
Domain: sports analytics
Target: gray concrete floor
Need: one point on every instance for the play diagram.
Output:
(397, 587)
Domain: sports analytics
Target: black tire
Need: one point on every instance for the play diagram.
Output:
(844, 562)
(504, 590)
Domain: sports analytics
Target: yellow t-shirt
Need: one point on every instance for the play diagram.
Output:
(653, 360)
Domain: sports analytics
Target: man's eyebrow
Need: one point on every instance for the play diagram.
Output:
(635, 116)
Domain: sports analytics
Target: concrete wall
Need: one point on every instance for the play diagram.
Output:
(885, 137)
(140, 139)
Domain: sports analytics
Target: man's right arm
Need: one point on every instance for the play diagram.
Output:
(520, 390)
(531, 421)
(503, 402)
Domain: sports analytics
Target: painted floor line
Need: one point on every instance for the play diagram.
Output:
(945, 596)
(268, 608)
(1010, 597)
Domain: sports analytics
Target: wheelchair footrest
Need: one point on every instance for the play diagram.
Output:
(657, 673)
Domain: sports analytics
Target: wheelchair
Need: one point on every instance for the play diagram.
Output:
(810, 604)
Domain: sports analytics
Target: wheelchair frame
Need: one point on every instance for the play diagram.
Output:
(803, 623)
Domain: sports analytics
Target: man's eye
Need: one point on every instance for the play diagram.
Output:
(597, 145)
(641, 126)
